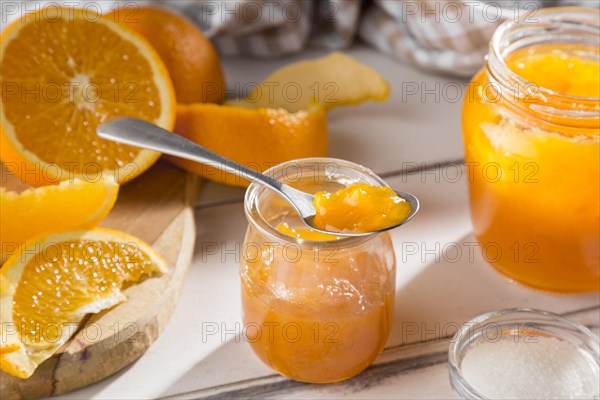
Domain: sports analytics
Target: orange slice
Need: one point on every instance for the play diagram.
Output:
(64, 71)
(55, 281)
(68, 205)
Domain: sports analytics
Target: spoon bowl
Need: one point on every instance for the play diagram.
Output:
(140, 133)
(411, 199)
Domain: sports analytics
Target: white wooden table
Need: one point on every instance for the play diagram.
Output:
(441, 282)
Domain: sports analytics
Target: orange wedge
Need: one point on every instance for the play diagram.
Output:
(55, 281)
(68, 205)
(64, 71)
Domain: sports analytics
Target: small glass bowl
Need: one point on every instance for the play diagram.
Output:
(525, 322)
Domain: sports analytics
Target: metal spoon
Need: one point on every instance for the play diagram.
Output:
(139, 133)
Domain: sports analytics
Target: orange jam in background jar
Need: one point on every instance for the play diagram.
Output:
(316, 308)
(531, 127)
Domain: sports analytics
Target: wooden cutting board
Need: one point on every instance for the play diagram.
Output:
(157, 207)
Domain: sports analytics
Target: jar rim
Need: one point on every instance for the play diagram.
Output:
(268, 230)
(551, 110)
(467, 334)
(587, 17)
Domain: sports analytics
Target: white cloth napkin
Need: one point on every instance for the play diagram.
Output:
(449, 36)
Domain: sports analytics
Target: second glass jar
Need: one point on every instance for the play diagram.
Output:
(531, 127)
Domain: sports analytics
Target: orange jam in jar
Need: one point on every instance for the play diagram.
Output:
(316, 308)
(531, 128)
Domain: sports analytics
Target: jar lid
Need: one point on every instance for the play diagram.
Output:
(524, 354)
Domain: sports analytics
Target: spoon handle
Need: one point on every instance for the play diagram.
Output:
(139, 133)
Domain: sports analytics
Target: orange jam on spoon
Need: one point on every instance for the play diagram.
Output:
(360, 208)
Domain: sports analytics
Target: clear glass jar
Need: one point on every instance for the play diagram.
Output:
(510, 353)
(318, 308)
(533, 151)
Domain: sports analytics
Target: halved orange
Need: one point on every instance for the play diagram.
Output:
(64, 71)
(68, 205)
(191, 59)
(49, 287)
